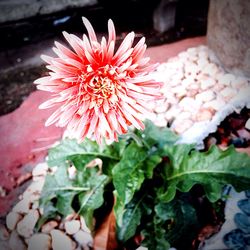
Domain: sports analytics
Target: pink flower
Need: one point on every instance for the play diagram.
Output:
(99, 92)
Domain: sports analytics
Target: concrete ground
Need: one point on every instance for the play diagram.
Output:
(25, 141)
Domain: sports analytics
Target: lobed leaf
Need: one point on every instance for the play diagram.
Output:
(212, 169)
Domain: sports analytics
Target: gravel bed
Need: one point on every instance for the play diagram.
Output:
(57, 234)
(198, 94)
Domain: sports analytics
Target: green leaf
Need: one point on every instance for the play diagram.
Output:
(59, 188)
(149, 165)
(153, 135)
(212, 169)
(155, 235)
(64, 202)
(49, 212)
(179, 219)
(128, 174)
(128, 219)
(88, 150)
(92, 199)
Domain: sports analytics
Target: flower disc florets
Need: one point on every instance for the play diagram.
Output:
(99, 91)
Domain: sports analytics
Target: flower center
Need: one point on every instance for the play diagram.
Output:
(101, 87)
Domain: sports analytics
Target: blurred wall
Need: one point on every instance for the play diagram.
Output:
(228, 34)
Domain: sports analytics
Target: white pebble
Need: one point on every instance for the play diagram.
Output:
(210, 69)
(226, 79)
(40, 169)
(34, 187)
(39, 241)
(204, 115)
(22, 206)
(180, 126)
(172, 112)
(216, 104)
(47, 227)
(247, 125)
(72, 172)
(205, 96)
(228, 93)
(4, 234)
(160, 120)
(202, 62)
(83, 238)
(26, 226)
(84, 226)
(15, 241)
(239, 82)
(186, 82)
(207, 83)
(161, 108)
(194, 86)
(72, 226)
(12, 219)
(189, 104)
(60, 240)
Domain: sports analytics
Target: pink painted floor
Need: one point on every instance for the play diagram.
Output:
(25, 140)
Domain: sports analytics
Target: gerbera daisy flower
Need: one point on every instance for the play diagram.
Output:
(99, 92)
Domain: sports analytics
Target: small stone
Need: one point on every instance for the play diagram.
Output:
(2, 192)
(39, 241)
(142, 248)
(34, 197)
(40, 169)
(15, 242)
(160, 120)
(192, 51)
(22, 206)
(34, 187)
(60, 240)
(194, 86)
(218, 87)
(47, 227)
(183, 55)
(172, 113)
(26, 226)
(83, 238)
(210, 69)
(207, 83)
(192, 92)
(239, 82)
(202, 62)
(72, 227)
(216, 104)
(4, 245)
(178, 89)
(186, 82)
(203, 115)
(247, 125)
(189, 104)
(35, 205)
(180, 126)
(184, 116)
(4, 234)
(84, 226)
(226, 79)
(161, 108)
(205, 96)
(228, 93)
(12, 219)
(202, 54)
(72, 172)
(38, 178)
